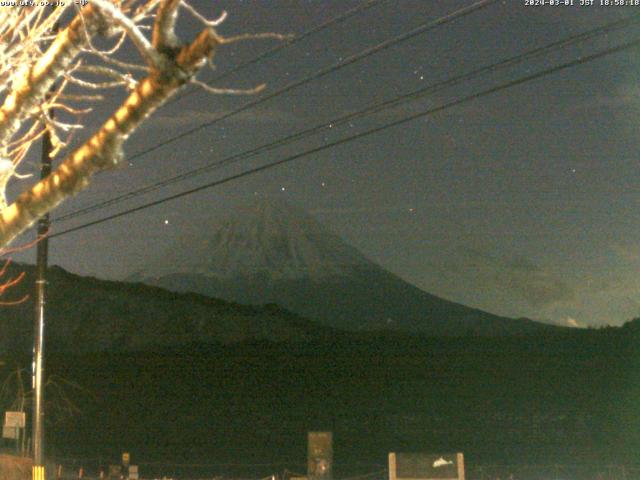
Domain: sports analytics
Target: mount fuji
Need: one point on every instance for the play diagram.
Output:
(271, 252)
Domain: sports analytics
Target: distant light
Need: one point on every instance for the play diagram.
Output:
(166, 222)
(282, 189)
(323, 184)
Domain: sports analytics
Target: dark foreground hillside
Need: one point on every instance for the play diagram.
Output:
(86, 314)
(567, 398)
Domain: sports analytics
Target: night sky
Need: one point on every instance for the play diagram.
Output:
(521, 203)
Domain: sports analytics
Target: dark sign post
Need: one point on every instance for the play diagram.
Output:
(320, 456)
(115, 472)
(14, 423)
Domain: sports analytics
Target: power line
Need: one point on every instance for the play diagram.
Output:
(286, 44)
(425, 27)
(323, 72)
(532, 53)
(454, 103)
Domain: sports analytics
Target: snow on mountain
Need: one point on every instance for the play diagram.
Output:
(267, 238)
(270, 252)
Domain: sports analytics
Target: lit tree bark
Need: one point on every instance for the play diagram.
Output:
(169, 65)
(38, 79)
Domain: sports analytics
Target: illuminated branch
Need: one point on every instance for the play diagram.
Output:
(170, 65)
(10, 283)
(31, 83)
(116, 16)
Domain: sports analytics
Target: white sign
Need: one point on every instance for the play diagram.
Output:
(424, 466)
(14, 419)
(9, 432)
(441, 462)
(133, 472)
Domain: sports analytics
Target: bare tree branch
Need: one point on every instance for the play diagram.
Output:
(228, 91)
(33, 83)
(139, 40)
(170, 65)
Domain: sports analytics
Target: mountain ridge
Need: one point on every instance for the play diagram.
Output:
(89, 314)
(273, 253)
(265, 236)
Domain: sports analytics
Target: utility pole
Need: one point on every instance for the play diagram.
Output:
(38, 345)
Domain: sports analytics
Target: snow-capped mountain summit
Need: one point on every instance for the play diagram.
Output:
(270, 252)
(266, 238)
